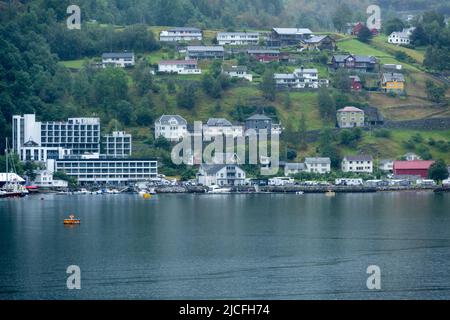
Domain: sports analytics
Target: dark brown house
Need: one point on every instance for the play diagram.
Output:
(353, 62)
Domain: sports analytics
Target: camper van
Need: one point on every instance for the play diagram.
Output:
(281, 181)
(348, 182)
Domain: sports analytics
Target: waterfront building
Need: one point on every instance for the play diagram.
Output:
(358, 164)
(118, 144)
(318, 164)
(39, 141)
(221, 175)
(293, 168)
(414, 167)
(44, 179)
(386, 165)
(108, 171)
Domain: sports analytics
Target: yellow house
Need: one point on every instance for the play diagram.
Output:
(393, 82)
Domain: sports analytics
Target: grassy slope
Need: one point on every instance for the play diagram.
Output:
(411, 107)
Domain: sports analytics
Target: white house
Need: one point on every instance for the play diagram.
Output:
(221, 175)
(221, 126)
(402, 37)
(179, 66)
(171, 127)
(359, 163)
(301, 78)
(238, 72)
(318, 165)
(293, 168)
(411, 156)
(181, 34)
(237, 38)
(350, 117)
(44, 179)
(118, 59)
(386, 165)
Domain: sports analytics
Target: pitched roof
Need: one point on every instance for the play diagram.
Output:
(258, 117)
(120, 55)
(190, 29)
(315, 39)
(389, 77)
(294, 166)
(212, 169)
(342, 58)
(177, 62)
(416, 164)
(216, 122)
(262, 50)
(237, 34)
(360, 157)
(165, 119)
(292, 31)
(235, 68)
(350, 109)
(318, 160)
(204, 48)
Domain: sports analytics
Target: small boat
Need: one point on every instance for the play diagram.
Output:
(145, 194)
(299, 192)
(217, 189)
(71, 220)
(82, 191)
(330, 193)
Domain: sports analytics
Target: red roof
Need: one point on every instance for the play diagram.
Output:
(416, 164)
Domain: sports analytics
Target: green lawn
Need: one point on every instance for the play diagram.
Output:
(359, 48)
(73, 64)
(381, 43)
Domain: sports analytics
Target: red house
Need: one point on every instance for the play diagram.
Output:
(357, 28)
(265, 55)
(356, 84)
(416, 167)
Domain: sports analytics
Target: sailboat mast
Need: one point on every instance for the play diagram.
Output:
(7, 160)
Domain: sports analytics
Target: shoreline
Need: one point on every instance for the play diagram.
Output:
(298, 190)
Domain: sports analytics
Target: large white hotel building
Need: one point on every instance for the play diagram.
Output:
(74, 147)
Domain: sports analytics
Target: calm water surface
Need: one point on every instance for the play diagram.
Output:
(227, 246)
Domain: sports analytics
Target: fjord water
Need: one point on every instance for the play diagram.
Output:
(268, 246)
